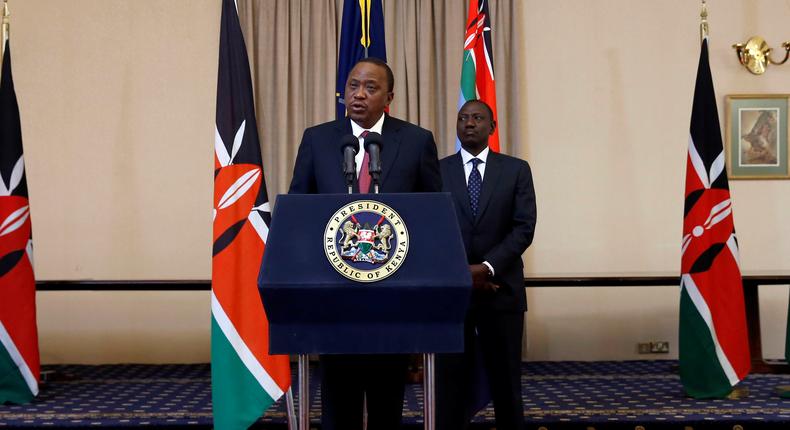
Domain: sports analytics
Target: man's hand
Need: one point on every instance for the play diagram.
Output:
(480, 280)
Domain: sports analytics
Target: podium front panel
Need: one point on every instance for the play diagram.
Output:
(313, 308)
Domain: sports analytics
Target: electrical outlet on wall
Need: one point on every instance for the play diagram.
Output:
(656, 347)
(660, 347)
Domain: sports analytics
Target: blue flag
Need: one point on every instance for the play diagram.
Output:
(361, 36)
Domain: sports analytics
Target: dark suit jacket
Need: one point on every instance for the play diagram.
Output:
(503, 228)
(408, 159)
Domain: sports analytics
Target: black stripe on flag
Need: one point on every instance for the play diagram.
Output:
(234, 94)
(705, 128)
(10, 128)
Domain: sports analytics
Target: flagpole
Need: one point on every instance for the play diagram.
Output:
(365, 27)
(703, 24)
(289, 405)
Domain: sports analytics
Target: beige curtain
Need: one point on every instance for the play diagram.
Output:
(293, 54)
(292, 46)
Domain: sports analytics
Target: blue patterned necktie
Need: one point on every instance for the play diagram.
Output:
(474, 186)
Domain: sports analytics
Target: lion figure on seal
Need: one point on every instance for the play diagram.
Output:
(349, 235)
(384, 235)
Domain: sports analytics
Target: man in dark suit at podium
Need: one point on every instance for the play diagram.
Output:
(495, 204)
(408, 156)
(408, 164)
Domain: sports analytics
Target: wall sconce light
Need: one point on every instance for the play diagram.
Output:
(755, 55)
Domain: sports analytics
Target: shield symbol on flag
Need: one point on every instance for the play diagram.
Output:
(366, 238)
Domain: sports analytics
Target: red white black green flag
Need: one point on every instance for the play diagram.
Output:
(245, 378)
(714, 345)
(477, 70)
(19, 357)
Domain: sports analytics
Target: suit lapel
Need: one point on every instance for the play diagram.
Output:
(458, 186)
(390, 133)
(490, 181)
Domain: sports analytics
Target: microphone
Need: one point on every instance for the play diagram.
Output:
(349, 146)
(374, 145)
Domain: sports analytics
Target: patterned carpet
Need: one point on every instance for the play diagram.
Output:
(634, 395)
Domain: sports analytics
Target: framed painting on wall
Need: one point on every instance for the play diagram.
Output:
(756, 130)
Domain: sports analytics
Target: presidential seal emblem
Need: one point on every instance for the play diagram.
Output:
(366, 241)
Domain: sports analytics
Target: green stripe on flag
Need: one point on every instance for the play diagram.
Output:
(700, 371)
(238, 399)
(13, 388)
(468, 82)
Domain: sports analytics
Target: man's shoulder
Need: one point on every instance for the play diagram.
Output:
(336, 124)
(450, 159)
(503, 158)
(399, 124)
(509, 159)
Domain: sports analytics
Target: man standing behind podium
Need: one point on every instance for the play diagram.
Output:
(495, 204)
(408, 164)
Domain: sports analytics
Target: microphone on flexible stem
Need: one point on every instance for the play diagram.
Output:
(373, 145)
(349, 146)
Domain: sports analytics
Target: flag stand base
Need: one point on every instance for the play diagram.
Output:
(783, 391)
(738, 393)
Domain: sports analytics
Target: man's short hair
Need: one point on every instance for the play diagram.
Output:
(488, 108)
(381, 63)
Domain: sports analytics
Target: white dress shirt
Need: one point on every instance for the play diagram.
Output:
(356, 130)
(466, 157)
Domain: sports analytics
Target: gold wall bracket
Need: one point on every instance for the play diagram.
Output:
(755, 54)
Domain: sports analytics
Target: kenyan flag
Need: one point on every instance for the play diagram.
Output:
(714, 344)
(245, 378)
(19, 357)
(477, 70)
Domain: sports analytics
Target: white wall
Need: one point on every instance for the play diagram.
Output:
(117, 104)
(609, 86)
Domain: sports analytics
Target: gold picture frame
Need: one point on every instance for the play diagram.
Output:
(756, 136)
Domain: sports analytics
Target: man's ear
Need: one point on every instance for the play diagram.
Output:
(493, 127)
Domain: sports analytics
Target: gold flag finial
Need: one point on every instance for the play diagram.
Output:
(703, 24)
(6, 23)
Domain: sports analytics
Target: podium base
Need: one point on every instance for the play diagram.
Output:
(429, 405)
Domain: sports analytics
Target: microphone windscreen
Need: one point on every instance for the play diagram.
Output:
(351, 141)
(374, 138)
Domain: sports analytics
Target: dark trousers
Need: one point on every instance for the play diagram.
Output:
(496, 351)
(348, 379)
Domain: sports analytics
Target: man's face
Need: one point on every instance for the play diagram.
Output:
(474, 126)
(367, 94)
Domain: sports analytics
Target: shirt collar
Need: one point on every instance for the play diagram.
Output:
(356, 129)
(466, 156)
